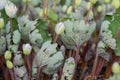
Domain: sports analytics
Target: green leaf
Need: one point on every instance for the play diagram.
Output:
(14, 48)
(52, 15)
(114, 27)
(25, 27)
(42, 27)
(35, 37)
(2, 45)
(14, 24)
(16, 37)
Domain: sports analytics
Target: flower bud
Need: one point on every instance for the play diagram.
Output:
(99, 8)
(77, 2)
(93, 1)
(64, 8)
(88, 5)
(69, 10)
(116, 68)
(59, 28)
(9, 64)
(116, 4)
(8, 55)
(11, 9)
(27, 49)
(107, 1)
(1, 23)
(2, 4)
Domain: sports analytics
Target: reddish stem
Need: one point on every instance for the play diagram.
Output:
(28, 65)
(94, 66)
(55, 39)
(32, 55)
(100, 66)
(38, 73)
(11, 74)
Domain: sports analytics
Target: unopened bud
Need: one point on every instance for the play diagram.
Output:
(69, 10)
(77, 2)
(59, 28)
(116, 4)
(64, 8)
(107, 1)
(27, 49)
(93, 1)
(88, 5)
(99, 8)
(8, 55)
(116, 68)
(11, 9)
(9, 64)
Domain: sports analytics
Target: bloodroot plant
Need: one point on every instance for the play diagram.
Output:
(59, 39)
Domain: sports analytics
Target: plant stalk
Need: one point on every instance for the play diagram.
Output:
(38, 73)
(28, 65)
(11, 74)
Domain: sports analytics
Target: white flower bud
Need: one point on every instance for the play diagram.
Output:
(99, 8)
(107, 1)
(8, 55)
(1, 23)
(78, 2)
(88, 5)
(69, 10)
(27, 49)
(116, 68)
(9, 64)
(64, 8)
(11, 9)
(93, 1)
(2, 4)
(116, 4)
(59, 28)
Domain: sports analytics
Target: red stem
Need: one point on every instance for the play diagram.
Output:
(94, 66)
(55, 39)
(100, 66)
(28, 65)
(11, 74)
(38, 73)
